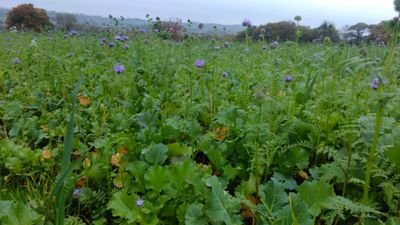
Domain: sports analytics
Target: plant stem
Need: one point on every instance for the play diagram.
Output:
(371, 156)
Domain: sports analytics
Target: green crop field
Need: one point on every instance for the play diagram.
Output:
(202, 131)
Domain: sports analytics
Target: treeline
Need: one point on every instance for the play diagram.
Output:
(286, 31)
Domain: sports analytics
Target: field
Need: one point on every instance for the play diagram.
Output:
(202, 131)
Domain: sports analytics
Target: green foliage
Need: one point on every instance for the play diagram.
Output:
(12, 213)
(195, 215)
(156, 154)
(220, 206)
(233, 142)
(315, 194)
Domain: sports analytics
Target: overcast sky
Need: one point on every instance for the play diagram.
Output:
(313, 12)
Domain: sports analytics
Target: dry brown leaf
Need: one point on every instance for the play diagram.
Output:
(84, 100)
(116, 159)
(81, 182)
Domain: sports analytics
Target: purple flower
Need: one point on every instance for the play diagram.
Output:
(246, 23)
(73, 33)
(200, 63)
(375, 83)
(76, 193)
(126, 46)
(139, 202)
(225, 74)
(124, 38)
(143, 31)
(119, 68)
(103, 40)
(118, 38)
(274, 44)
(110, 44)
(288, 78)
(16, 61)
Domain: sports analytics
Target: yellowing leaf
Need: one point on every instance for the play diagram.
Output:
(87, 162)
(303, 175)
(116, 159)
(220, 133)
(46, 154)
(118, 182)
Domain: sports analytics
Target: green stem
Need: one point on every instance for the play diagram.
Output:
(371, 157)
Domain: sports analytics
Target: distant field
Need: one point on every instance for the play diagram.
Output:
(196, 132)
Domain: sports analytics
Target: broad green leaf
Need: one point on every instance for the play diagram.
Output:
(314, 194)
(195, 215)
(5, 208)
(295, 213)
(274, 196)
(124, 206)
(177, 149)
(221, 207)
(157, 178)
(19, 214)
(156, 154)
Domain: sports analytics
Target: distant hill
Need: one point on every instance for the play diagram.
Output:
(140, 23)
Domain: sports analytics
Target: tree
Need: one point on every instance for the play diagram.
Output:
(397, 5)
(65, 21)
(357, 33)
(380, 33)
(25, 16)
(328, 29)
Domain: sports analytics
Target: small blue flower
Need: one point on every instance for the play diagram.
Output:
(119, 68)
(118, 38)
(111, 44)
(103, 40)
(139, 202)
(225, 74)
(124, 38)
(288, 78)
(76, 193)
(73, 33)
(16, 61)
(200, 63)
(126, 46)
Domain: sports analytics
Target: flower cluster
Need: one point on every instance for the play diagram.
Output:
(246, 23)
(119, 68)
(200, 63)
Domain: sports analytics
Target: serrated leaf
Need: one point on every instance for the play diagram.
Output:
(295, 213)
(195, 215)
(19, 214)
(315, 194)
(342, 204)
(274, 196)
(157, 154)
(124, 206)
(221, 207)
(157, 178)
